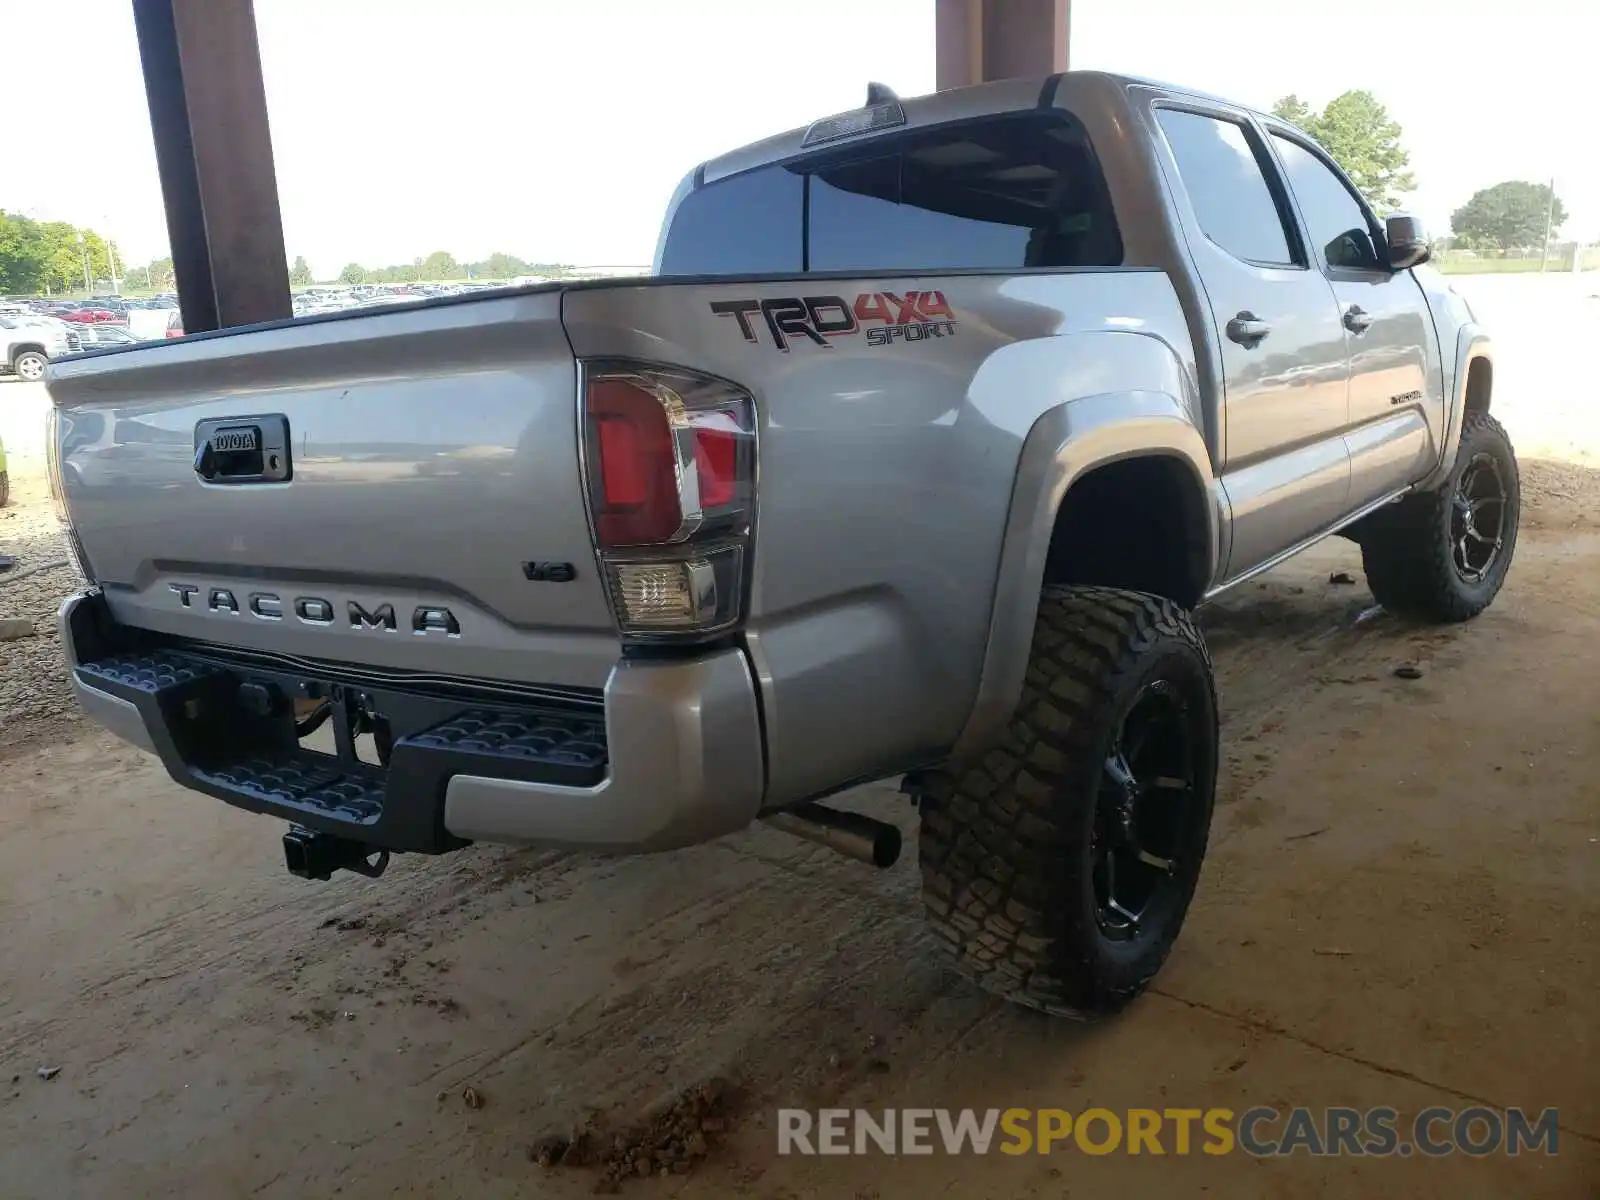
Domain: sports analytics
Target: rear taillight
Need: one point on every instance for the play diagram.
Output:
(670, 457)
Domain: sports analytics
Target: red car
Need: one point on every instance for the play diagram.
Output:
(93, 316)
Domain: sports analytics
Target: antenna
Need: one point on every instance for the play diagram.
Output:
(880, 93)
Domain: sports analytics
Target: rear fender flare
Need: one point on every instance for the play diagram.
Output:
(1064, 443)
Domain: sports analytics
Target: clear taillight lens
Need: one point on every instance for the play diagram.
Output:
(670, 457)
(690, 594)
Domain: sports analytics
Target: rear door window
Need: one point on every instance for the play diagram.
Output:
(1000, 194)
(1227, 186)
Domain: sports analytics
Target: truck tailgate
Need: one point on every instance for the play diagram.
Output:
(430, 458)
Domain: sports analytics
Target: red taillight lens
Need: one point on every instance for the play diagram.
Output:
(671, 455)
(716, 459)
(637, 500)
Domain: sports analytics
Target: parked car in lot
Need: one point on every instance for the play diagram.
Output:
(150, 322)
(28, 342)
(99, 337)
(89, 314)
(935, 425)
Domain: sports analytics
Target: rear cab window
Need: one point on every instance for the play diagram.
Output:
(748, 224)
(1001, 193)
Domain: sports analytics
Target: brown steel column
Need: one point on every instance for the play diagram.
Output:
(208, 114)
(980, 40)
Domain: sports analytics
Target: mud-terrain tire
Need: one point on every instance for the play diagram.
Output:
(1014, 846)
(1442, 555)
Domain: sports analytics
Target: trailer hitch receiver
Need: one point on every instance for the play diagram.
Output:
(313, 855)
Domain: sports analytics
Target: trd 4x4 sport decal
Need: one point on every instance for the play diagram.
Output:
(884, 317)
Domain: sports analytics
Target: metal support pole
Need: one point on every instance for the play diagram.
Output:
(208, 113)
(1549, 221)
(980, 40)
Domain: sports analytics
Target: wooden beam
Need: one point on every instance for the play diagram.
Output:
(980, 40)
(208, 114)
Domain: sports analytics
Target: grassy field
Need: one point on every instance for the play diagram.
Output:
(1469, 264)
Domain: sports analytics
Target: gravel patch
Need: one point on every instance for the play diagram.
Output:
(35, 702)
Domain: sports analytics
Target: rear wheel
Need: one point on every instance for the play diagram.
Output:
(30, 366)
(1059, 869)
(1443, 555)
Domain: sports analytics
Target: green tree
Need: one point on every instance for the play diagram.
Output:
(50, 255)
(1361, 137)
(300, 273)
(98, 252)
(160, 274)
(500, 265)
(22, 254)
(1295, 111)
(64, 261)
(1508, 216)
(441, 264)
(353, 273)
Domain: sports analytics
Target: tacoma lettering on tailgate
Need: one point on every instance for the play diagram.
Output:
(315, 610)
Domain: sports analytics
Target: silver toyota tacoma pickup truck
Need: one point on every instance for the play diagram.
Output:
(934, 423)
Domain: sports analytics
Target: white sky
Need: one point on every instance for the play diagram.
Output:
(557, 129)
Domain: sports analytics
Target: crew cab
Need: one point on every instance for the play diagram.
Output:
(912, 459)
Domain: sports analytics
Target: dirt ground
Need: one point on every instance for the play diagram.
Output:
(1400, 908)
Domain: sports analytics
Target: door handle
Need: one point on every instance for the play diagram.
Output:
(1357, 319)
(1247, 329)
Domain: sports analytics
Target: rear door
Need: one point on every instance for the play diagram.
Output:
(1395, 421)
(1284, 361)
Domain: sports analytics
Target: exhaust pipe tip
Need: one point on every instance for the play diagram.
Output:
(865, 839)
(886, 844)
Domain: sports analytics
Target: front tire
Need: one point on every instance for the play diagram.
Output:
(30, 366)
(1443, 555)
(1059, 869)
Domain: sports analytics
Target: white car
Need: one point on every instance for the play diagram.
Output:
(28, 342)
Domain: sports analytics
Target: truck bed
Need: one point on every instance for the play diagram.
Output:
(429, 541)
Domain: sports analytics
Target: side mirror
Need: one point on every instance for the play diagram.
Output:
(1408, 244)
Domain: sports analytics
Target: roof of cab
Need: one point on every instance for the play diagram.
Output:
(937, 108)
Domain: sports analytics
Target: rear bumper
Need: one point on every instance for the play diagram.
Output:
(670, 755)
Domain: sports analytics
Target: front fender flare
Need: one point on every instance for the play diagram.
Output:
(1065, 443)
(1472, 342)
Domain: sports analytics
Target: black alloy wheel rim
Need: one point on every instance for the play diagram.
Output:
(1477, 519)
(1144, 812)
